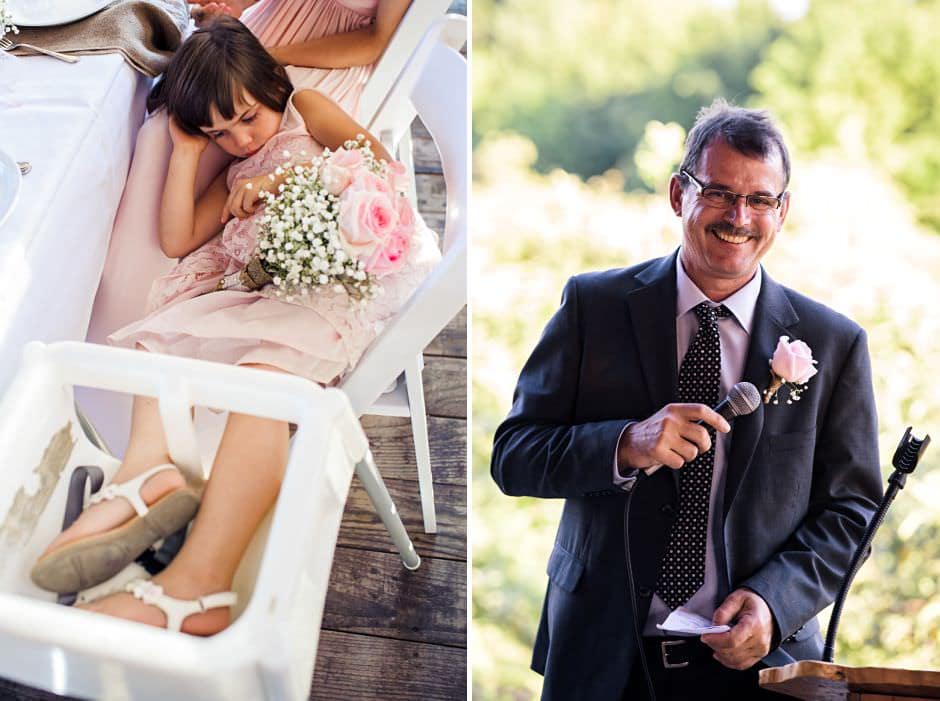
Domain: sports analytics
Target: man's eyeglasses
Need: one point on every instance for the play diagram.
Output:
(723, 199)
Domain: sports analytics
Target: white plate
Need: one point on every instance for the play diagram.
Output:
(45, 13)
(9, 185)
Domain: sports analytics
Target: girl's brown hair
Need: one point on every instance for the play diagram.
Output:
(213, 68)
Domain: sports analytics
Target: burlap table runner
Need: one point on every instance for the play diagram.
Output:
(146, 32)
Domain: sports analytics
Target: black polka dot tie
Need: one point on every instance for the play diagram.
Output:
(683, 569)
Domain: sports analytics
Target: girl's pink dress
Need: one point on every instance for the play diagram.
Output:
(134, 257)
(319, 337)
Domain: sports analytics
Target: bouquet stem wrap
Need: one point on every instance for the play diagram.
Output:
(253, 277)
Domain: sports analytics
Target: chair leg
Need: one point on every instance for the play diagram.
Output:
(382, 501)
(419, 433)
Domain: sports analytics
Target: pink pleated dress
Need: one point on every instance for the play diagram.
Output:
(134, 257)
(320, 336)
(278, 22)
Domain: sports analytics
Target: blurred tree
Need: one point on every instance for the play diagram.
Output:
(658, 153)
(863, 78)
(539, 70)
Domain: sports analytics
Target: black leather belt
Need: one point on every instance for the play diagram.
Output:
(676, 653)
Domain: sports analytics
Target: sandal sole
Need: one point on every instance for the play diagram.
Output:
(95, 559)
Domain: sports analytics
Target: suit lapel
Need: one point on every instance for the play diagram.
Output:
(652, 312)
(773, 316)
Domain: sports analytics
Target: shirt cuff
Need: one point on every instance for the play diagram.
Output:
(621, 481)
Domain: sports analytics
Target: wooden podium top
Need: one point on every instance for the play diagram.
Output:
(823, 681)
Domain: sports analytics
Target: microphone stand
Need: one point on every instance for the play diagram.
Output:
(906, 457)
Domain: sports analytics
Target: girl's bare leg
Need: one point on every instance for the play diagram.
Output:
(243, 485)
(146, 449)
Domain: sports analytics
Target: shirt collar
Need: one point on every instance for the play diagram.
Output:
(741, 304)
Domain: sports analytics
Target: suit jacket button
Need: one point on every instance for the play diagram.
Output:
(668, 509)
(645, 592)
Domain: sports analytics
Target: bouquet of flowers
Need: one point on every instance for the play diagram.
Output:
(341, 221)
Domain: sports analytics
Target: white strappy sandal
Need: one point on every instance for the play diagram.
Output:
(178, 610)
(89, 561)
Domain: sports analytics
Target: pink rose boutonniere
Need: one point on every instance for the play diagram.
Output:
(791, 366)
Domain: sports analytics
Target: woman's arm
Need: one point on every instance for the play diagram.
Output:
(329, 125)
(185, 223)
(359, 47)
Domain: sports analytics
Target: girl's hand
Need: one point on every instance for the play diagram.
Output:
(207, 9)
(245, 196)
(185, 141)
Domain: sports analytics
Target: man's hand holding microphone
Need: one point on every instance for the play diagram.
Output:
(677, 434)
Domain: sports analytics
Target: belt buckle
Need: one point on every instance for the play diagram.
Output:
(664, 648)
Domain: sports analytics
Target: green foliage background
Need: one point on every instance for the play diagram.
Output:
(579, 113)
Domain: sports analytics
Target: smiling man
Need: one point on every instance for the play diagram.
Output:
(753, 527)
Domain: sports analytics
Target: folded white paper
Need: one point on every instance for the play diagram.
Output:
(684, 622)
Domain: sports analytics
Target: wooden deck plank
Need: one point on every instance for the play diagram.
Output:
(372, 593)
(426, 159)
(393, 447)
(364, 668)
(361, 527)
(445, 383)
(432, 195)
(445, 386)
(435, 221)
(452, 340)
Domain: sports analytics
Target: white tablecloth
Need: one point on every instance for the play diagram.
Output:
(76, 124)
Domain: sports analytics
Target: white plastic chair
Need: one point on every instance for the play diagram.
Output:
(268, 651)
(433, 86)
(415, 22)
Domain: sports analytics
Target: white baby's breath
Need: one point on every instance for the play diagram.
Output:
(298, 241)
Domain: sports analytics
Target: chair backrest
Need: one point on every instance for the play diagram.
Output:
(434, 86)
(413, 25)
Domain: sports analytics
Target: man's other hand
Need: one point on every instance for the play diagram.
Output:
(749, 638)
(669, 437)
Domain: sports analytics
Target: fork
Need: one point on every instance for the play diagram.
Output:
(7, 45)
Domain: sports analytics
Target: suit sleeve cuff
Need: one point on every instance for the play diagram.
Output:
(624, 476)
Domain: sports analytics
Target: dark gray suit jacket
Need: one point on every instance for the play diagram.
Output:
(802, 479)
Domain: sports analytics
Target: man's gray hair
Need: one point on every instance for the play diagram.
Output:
(750, 132)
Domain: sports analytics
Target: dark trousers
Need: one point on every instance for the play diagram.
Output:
(692, 674)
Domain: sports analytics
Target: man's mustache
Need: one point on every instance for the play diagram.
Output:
(729, 230)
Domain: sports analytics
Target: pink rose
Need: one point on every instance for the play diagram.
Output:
(398, 176)
(793, 361)
(363, 180)
(344, 158)
(366, 220)
(340, 169)
(388, 257)
(335, 178)
(406, 216)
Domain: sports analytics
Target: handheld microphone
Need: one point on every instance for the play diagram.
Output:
(742, 400)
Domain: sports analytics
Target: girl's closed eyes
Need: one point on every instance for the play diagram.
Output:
(252, 125)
